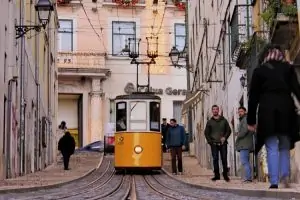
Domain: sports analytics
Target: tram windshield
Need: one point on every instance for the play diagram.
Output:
(121, 119)
(138, 115)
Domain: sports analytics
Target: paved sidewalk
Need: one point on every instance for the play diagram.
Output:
(80, 164)
(196, 175)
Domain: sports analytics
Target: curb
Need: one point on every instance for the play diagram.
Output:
(52, 186)
(242, 192)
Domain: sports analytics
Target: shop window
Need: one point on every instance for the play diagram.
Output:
(154, 116)
(177, 108)
(138, 116)
(121, 118)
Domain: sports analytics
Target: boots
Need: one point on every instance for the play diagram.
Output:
(226, 177)
(216, 177)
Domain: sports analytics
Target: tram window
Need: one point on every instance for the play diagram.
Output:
(138, 115)
(154, 116)
(121, 119)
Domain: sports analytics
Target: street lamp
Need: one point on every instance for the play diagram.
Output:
(44, 9)
(152, 48)
(133, 50)
(174, 55)
(243, 80)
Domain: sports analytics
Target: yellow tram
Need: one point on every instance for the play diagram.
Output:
(138, 136)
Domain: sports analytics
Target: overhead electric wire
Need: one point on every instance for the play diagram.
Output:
(101, 29)
(91, 23)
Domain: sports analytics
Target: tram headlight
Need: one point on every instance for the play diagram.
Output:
(138, 149)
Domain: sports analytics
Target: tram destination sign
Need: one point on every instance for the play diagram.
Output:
(130, 87)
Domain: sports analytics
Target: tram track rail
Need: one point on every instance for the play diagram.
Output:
(105, 184)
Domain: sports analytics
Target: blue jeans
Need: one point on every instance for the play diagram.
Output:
(245, 160)
(278, 158)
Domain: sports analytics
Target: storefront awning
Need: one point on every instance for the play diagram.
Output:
(194, 98)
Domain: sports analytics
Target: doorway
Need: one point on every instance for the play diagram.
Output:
(70, 110)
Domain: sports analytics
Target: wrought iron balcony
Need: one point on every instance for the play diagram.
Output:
(239, 28)
(80, 60)
(248, 57)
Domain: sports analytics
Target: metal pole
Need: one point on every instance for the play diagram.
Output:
(22, 100)
(188, 78)
(37, 117)
(50, 135)
(137, 77)
(148, 77)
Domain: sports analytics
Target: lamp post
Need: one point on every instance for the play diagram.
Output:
(133, 50)
(44, 9)
(175, 56)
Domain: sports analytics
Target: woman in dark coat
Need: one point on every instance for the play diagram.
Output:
(277, 125)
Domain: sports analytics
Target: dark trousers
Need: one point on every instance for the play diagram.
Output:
(215, 150)
(66, 158)
(176, 152)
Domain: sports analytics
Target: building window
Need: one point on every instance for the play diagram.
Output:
(177, 107)
(180, 36)
(121, 31)
(65, 35)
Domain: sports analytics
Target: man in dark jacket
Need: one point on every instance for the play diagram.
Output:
(164, 129)
(66, 146)
(175, 141)
(244, 143)
(216, 132)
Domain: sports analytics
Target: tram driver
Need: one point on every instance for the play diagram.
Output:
(121, 123)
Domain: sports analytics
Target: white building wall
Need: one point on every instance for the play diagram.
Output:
(217, 73)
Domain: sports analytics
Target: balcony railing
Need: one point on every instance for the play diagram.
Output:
(80, 60)
(239, 27)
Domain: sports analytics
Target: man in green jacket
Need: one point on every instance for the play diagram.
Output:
(217, 131)
(244, 143)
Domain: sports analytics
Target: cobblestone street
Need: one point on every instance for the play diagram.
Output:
(80, 164)
(194, 174)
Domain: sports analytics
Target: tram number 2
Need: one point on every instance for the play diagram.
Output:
(121, 140)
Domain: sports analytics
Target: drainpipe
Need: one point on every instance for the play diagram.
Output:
(50, 135)
(8, 125)
(188, 75)
(22, 100)
(37, 82)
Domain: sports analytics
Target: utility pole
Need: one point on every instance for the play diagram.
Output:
(188, 75)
